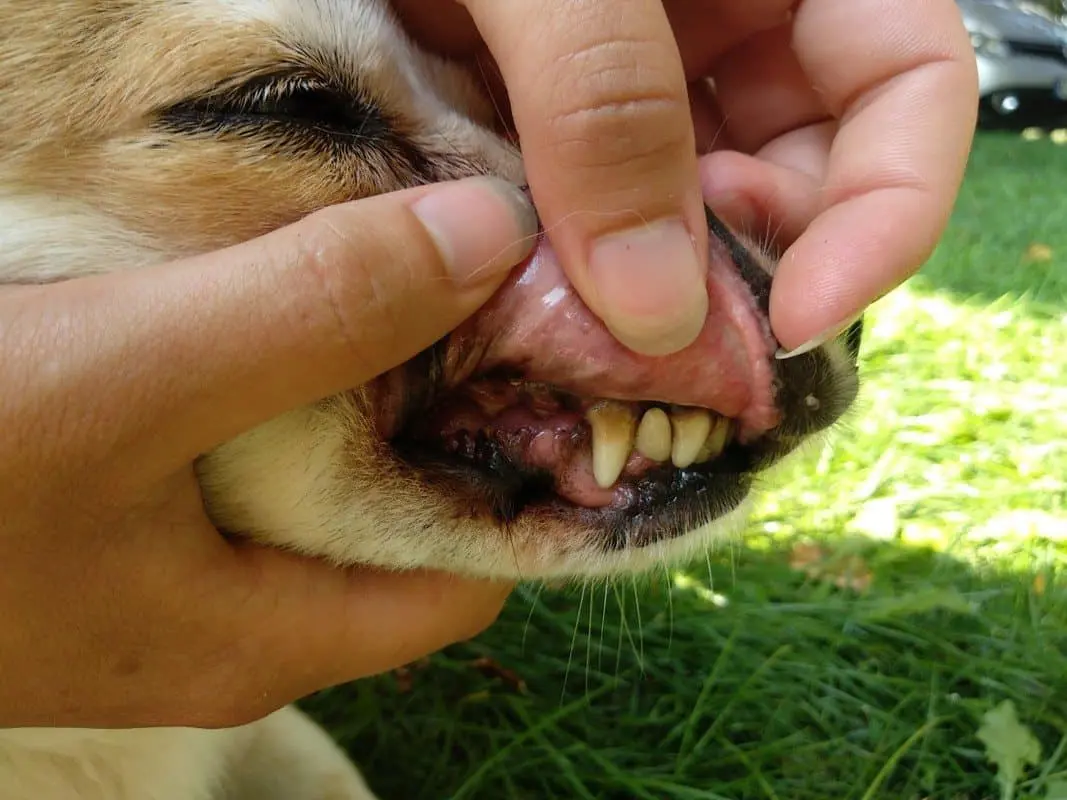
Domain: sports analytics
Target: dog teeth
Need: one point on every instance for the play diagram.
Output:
(685, 436)
(716, 441)
(613, 425)
(690, 429)
(654, 435)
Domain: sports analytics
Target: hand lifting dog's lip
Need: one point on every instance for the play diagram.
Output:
(532, 407)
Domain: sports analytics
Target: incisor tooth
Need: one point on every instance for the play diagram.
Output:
(716, 441)
(613, 426)
(654, 435)
(691, 428)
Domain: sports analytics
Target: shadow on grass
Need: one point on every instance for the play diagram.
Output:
(795, 689)
(1008, 234)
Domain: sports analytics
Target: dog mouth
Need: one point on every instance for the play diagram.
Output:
(533, 408)
(595, 452)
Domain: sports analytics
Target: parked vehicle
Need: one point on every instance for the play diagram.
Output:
(1022, 63)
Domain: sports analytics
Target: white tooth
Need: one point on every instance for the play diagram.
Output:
(716, 441)
(654, 435)
(613, 426)
(691, 427)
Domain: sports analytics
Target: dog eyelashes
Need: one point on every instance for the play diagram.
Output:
(285, 101)
(297, 113)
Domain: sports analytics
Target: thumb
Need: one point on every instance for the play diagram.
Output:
(602, 109)
(224, 341)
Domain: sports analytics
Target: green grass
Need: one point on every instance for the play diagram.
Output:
(745, 677)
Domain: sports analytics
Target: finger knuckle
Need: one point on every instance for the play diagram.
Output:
(352, 287)
(329, 285)
(623, 112)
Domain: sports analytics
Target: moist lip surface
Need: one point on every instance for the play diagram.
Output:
(537, 326)
(518, 382)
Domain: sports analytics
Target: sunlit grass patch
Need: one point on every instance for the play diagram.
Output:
(960, 432)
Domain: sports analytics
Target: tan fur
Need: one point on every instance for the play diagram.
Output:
(90, 181)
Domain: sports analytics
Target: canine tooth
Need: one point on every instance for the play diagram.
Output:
(691, 428)
(613, 425)
(654, 435)
(716, 441)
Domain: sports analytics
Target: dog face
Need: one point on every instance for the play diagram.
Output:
(528, 443)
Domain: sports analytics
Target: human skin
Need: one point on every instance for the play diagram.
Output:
(117, 589)
(843, 126)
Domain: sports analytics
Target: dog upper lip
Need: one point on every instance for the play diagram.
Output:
(537, 326)
(537, 329)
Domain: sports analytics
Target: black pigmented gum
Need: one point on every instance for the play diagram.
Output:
(800, 377)
(751, 271)
(476, 470)
(423, 378)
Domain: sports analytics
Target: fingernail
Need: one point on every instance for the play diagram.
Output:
(482, 227)
(818, 341)
(651, 287)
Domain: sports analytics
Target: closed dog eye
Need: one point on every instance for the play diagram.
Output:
(293, 101)
(297, 112)
(291, 108)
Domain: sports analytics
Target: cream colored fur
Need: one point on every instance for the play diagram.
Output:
(90, 182)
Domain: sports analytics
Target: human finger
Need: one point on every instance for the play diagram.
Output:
(763, 92)
(206, 348)
(907, 104)
(600, 103)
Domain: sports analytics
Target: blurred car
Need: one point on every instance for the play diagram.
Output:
(1022, 63)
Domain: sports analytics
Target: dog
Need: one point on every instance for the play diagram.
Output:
(140, 131)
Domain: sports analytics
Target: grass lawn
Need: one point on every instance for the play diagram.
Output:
(903, 584)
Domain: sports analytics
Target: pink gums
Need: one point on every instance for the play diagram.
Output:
(538, 325)
(537, 329)
(546, 439)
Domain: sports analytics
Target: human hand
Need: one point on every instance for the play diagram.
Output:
(121, 606)
(611, 103)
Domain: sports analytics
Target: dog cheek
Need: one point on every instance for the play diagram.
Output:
(268, 483)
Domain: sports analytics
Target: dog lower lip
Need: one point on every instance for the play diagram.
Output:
(663, 503)
(492, 470)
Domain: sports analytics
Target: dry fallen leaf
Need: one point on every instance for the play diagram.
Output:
(850, 572)
(806, 557)
(853, 574)
(1040, 584)
(491, 668)
(1039, 252)
(404, 676)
